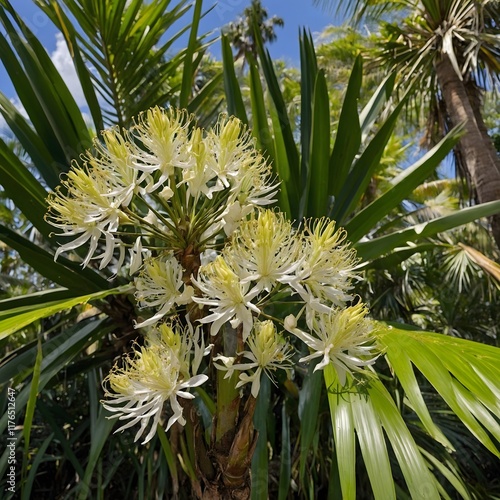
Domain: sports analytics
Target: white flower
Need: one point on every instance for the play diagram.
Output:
(199, 173)
(183, 342)
(233, 215)
(152, 219)
(166, 193)
(152, 375)
(114, 159)
(268, 352)
(135, 256)
(239, 166)
(340, 338)
(160, 285)
(326, 270)
(163, 134)
(253, 186)
(228, 298)
(208, 256)
(232, 147)
(265, 249)
(163, 179)
(86, 212)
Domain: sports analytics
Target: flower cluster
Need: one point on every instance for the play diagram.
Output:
(268, 352)
(161, 370)
(190, 207)
(165, 182)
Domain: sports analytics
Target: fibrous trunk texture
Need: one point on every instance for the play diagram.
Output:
(476, 148)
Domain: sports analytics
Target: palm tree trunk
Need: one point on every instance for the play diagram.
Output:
(475, 146)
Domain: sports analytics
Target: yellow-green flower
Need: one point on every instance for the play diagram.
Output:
(229, 299)
(324, 276)
(268, 352)
(164, 138)
(265, 249)
(86, 211)
(160, 285)
(152, 375)
(341, 337)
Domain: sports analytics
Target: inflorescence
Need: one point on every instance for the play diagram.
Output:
(183, 212)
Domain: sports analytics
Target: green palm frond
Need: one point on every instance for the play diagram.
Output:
(488, 265)
(459, 267)
(463, 373)
(433, 188)
(121, 53)
(463, 30)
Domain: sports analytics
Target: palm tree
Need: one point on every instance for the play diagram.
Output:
(241, 33)
(447, 52)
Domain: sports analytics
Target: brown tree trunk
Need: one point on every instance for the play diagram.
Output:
(223, 467)
(475, 145)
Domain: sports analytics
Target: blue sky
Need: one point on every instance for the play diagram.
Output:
(296, 14)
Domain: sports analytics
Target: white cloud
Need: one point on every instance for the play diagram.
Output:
(4, 128)
(3, 124)
(64, 64)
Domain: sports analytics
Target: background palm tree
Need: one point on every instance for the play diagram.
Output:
(447, 52)
(241, 33)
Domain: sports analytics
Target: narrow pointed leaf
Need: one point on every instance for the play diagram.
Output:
(308, 75)
(288, 200)
(30, 409)
(260, 124)
(401, 365)
(70, 344)
(285, 456)
(38, 459)
(99, 437)
(32, 299)
(84, 75)
(46, 151)
(308, 413)
(58, 104)
(169, 455)
(421, 484)
(260, 462)
(343, 432)
(363, 169)
(398, 255)
(373, 448)
(63, 271)
(188, 67)
(402, 186)
(282, 116)
(23, 189)
(50, 416)
(348, 138)
(33, 143)
(448, 364)
(235, 104)
(21, 319)
(369, 250)
(371, 111)
(317, 187)
(456, 482)
(199, 100)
